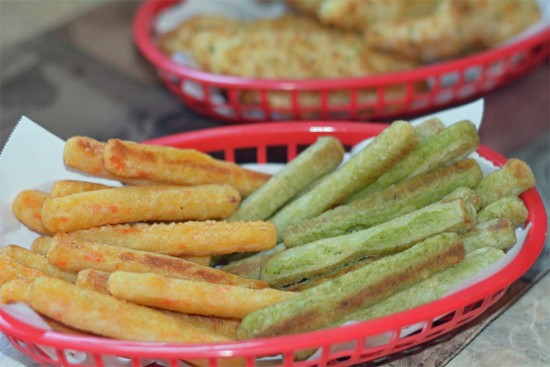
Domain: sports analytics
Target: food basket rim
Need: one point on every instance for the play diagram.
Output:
(532, 248)
(143, 36)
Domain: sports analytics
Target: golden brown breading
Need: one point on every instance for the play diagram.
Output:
(360, 14)
(455, 28)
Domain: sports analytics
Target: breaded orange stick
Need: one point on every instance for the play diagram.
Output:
(41, 244)
(17, 290)
(38, 262)
(177, 166)
(98, 281)
(27, 207)
(105, 315)
(75, 254)
(24, 271)
(93, 279)
(138, 203)
(190, 238)
(8, 273)
(67, 187)
(85, 155)
(201, 260)
(192, 297)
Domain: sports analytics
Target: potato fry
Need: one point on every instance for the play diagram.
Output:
(450, 145)
(174, 166)
(85, 155)
(386, 204)
(328, 254)
(138, 203)
(189, 238)
(326, 303)
(105, 315)
(76, 254)
(510, 207)
(384, 151)
(68, 187)
(192, 297)
(41, 244)
(38, 262)
(317, 160)
(513, 178)
(498, 233)
(27, 208)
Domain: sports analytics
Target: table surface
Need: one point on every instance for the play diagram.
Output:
(85, 77)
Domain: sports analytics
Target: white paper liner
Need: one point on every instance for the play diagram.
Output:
(33, 159)
(246, 10)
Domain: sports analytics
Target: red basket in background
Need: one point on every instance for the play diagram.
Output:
(429, 88)
(342, 346)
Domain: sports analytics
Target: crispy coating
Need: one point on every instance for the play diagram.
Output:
(192, 297)
(76, 254)
(461, 26)
(510, 207)
(177, 166)
(41, 244)
(105, 315)
(189, 238)
(27, 208)
(38, 262)
(67, 187)
(138, 203)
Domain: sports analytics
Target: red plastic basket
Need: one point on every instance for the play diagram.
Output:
(260, 140)
(371, 98)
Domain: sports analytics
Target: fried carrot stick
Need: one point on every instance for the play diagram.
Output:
(67, 187)
(192, 297)
(176, 166)
(27, 208)
(191, 238)
(105, 315)
(138, 203)
(76, 254)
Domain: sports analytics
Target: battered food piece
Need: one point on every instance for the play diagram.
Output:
(67, 187)
(138, 203)
(391, 145)
(105, 315)
(191, 238)
(510, 207)
(381, 206)
(174, 166)
(318, 159)
(497, 233)
(328, 302)
(75, 254)
(328, 254)
(454, 28)
(27, 208)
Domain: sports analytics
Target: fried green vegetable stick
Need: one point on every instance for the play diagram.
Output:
(318, 159)
(386, 204)
(453, 143)
(428, 128)
(391, 145)
(498, 233)
(513, 178)
(510, 207)
(326, 303)
(430, 289)
(465, 193)
(325, 255)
